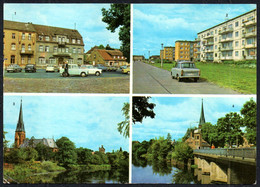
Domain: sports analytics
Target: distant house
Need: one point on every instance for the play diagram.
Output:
(154, 57)
(106, 57)
(102, 149)
(47, 142)
(138, 58)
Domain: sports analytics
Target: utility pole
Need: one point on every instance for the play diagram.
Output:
(149, 56)
(162, 56)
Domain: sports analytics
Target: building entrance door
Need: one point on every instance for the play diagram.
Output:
(12, 59)
(60, 60)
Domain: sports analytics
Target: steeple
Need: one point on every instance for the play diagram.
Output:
(202, 118)
(20, 124)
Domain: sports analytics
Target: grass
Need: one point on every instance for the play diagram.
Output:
(235, 76)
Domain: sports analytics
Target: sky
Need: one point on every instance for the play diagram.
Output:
(154, 24)
(175, 115)
(88, 121)
(88, 19)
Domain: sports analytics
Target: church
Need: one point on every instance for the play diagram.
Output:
(195, 141)
(20, 136)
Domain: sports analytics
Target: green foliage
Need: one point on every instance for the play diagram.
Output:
(249, 120)
(210, 133)
(84, 156)
(119, 16)
(123, 127)
(67, 151)
(44, 152)
(5, 142)
(101, 46)
(182, 152)
(142, 108)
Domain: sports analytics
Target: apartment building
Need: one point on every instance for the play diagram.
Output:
(41, 45)
(168, 53)
(182, 50)
(234, 39)
(19, 43)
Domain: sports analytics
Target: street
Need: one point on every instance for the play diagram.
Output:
(152, 80)
(42, 82)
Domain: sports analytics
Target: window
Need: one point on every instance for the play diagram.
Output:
(216, 31)
(79, 60)
(29, 36)
(63, 50)
(236, 44)
(29, 60)
(74, 50)
(13, 46)
(52, 60)
(67, 49)
(22, 60)
(230, 26)
(23, 48)
(41, 48)
(78, 41)
(41, 60)
(68, 40)
(47, 38)
(216, 46)
(73, 41)
(79, 50)
(55, 49)
(12, 59)
(63, 39)
(70, 60)
(250, 41)
(236, 24)
(13, 35)
(243, 42)
(40, 37)
(236, 53)
(216, 54)
(47, 48)
(54, 38)
(236, 34)
(23, 36)
(216, 39)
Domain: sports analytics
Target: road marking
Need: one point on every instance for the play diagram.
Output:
(159, 83)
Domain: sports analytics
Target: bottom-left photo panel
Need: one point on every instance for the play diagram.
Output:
(65, 139)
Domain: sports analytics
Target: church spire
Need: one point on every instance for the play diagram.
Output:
(202, 118)
(20, 124)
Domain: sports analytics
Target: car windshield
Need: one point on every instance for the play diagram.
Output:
(29, 65)
(50, 66)
(188, 65)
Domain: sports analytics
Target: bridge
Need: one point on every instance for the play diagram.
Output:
(231, 166)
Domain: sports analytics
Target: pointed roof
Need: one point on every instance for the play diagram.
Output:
(202, 118)
(20, 124)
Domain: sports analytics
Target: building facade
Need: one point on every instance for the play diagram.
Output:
(138, 58)
(234, 39)
(182, 50)
(168, 53)
(19, 43)
(27, 43)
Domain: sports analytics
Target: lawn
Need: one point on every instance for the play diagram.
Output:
(236, 77)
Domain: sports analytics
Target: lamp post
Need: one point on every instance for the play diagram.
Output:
(162, 56)
(149, 56)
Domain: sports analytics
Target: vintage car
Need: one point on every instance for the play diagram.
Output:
(111, 68)
(30, 68)
(92, 70)
(50, 68)
(126, 70)
(102, 67)
(73, 69)
(185, 70)
(14, 68)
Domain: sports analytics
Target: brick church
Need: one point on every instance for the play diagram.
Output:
(20, 136)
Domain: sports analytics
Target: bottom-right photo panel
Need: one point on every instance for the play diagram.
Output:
(194, 140)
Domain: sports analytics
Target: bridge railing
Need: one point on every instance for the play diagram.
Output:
(241, 152)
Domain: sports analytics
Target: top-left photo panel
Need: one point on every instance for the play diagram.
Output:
(66, 48)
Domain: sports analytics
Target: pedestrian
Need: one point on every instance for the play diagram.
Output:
(66, 67)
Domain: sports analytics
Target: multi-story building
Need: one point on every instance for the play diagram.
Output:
(168, 52)
(19, 43)
(193, 51)
(234, 39)
(182, 50)
(41, 45)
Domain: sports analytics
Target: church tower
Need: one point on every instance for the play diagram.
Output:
(202, 118)
(20, 131)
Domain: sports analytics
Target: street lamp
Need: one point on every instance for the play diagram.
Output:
(149, 56)
(162, 56)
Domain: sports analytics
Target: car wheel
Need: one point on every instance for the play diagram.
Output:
(97, 73)
(178, 78)
(7, 71)
(83, 74)
(128, 72)
(195, 79)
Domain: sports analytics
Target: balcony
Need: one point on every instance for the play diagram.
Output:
(226, 58)
(208, 36)
(26, 52)
(226, 48)
(226, 40)
(209, 43)
(248, 23)
(61, 54)
(251, 57)
(249, 34)
(210, 58)
(61, 43)
(209, 50)
(224, 31)
(248, 46)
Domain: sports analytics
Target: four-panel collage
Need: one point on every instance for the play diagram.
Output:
(129, 93)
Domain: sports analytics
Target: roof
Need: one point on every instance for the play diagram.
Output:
(104, 54)
(13, 25)
(168, 47)
(114, 52)
(20, 123)
(47, 142)
(202, 117)
(89, 51)
(227, 21)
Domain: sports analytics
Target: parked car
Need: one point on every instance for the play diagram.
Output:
(73, 69)
(50, 68)
(92, 70)
(102, 67)
(30, 68)
(123, 67)
(14, 68)
(111, 68)
(185, 70)
(126, 70)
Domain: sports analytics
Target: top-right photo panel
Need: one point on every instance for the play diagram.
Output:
(194, 48)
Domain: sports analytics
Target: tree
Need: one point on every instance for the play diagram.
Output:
(101, 46)
(123, 127)
(183, 152)
(108, 47)
(249, 120)
(118, 15)
(5, 142)
(84, 156)
(169, 137)
(44, 152)
(142, 109)
(67, 151)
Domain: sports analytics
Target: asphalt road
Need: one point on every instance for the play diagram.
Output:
(148, 79)
(43, 75)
